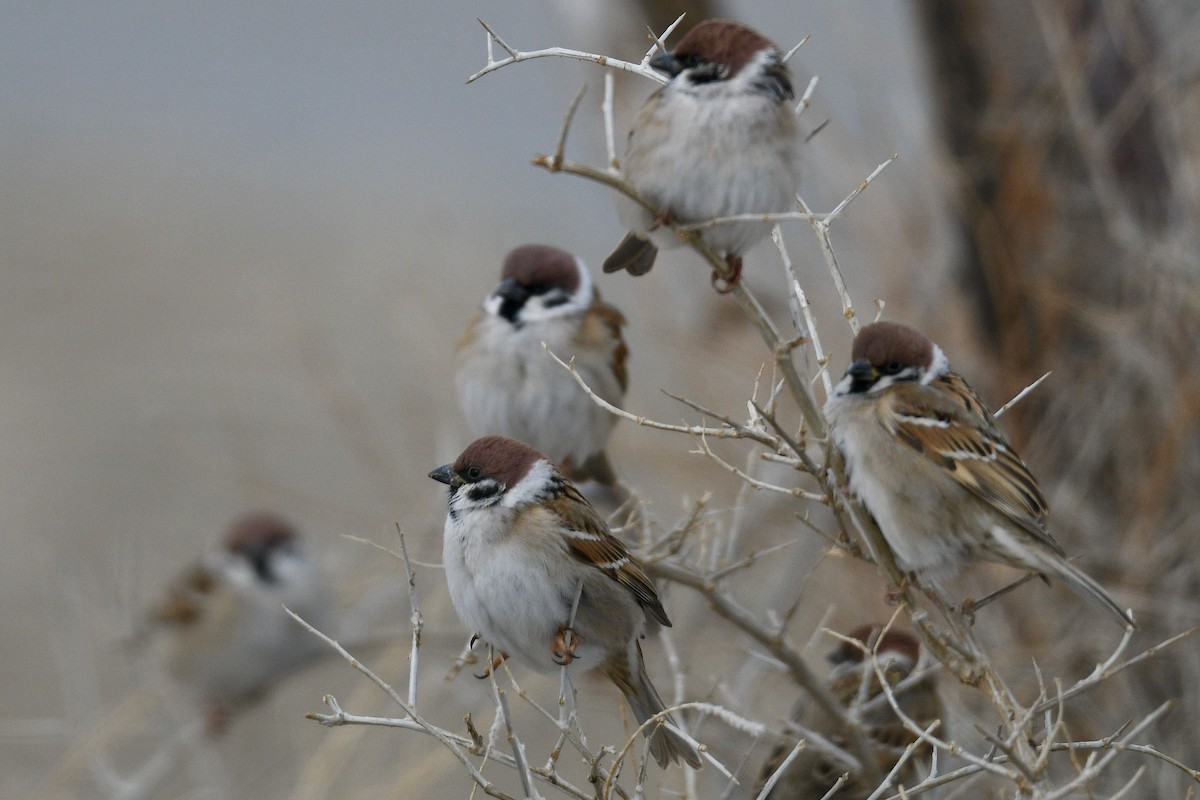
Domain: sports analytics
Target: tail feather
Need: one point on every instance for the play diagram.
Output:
(667, 746)
(635, 254)
(1088, 588)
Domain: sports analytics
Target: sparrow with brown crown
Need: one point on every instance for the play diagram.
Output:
(855, 684)
(508, 385)
(227, 639)
(925, 457)
(520, 543)
(719, 139)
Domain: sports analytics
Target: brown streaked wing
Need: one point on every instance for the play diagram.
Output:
(182, 605)
(598, 548)
(470, 334)
(601, 313)
(969, 447)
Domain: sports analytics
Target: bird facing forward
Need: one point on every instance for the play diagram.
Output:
(227, 639)
(520, 543)
(508, 385)
(855, 684)
(924, 455)
(719, 139)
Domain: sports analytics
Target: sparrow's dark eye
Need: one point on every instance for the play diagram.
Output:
(474, 473)
(892, 367)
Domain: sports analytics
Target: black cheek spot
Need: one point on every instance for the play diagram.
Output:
(482, 491)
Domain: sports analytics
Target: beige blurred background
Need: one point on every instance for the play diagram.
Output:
(238, 242)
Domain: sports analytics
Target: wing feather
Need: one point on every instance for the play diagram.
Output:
(947, 423)
(590, 541)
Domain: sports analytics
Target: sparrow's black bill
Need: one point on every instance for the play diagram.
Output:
(863, 375)
(667, 63)
(509, 289)
(443, 474)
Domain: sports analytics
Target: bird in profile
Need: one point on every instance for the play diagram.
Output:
(926, 458)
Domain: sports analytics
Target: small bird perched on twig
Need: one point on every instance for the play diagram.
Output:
(226, 637)
(520, 544)
(507, 383)
(719, 139)
(924, 455)
(856, 686)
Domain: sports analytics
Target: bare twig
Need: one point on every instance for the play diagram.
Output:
(515, 56)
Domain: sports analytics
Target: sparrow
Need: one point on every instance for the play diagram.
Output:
(719, 139)
(508, 385)
(520, 543)
(854, 683)
(925, 457)
(227, 639)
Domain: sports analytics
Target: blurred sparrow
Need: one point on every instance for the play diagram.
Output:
(508, 385)
(856, 685)
(925, 457)
(520, 543)
(719, 139)
(228, 637)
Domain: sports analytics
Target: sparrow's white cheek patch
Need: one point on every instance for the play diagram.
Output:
(939, 367)
(530, 488)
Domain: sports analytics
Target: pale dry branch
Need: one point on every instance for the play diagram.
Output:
(459, 746)
(802, 316)
(693, 430)
(418, 624)
(799, 388)
(660, 42)
(780, 770)
(806, 98)
(1095, 766)
(788, 55)
(1106, 670)
(1019, 396)
(777, 645)
(781, 216)
(890, 780)
(753, 482)
(516, 56)
(606, 111)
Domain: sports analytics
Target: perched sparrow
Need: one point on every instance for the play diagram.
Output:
(719, 139)
(856, 686)
(228, 637)
(924, 455)
(508, 385)
(520, 542)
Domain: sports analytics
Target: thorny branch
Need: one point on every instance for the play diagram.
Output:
(1020, 749)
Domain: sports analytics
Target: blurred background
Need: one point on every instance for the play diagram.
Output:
(238, 242)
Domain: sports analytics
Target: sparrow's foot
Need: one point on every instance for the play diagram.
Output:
(562, 652)
(894, 594)
(495, 665)
(660, 219)
(724, 284)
